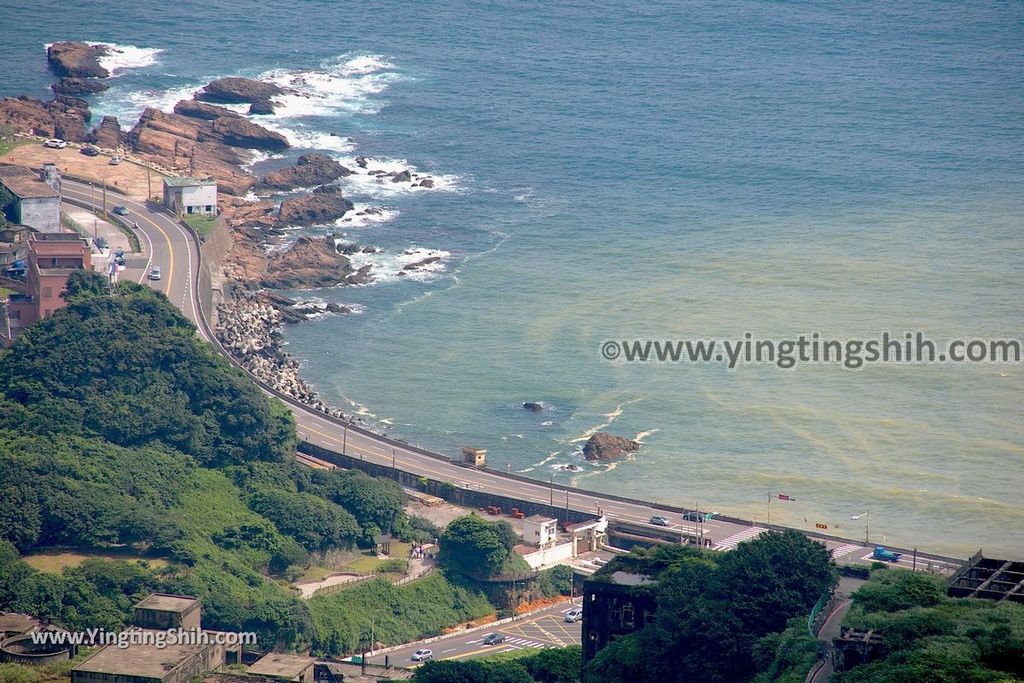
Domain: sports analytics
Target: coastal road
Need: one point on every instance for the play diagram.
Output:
(545, 628)
(174, 249)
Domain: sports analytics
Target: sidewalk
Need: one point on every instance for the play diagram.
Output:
(91, 226)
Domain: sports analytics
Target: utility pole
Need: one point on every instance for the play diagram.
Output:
(769, 509)
(104, 198)
(551, 485)
(393, 459)
(914, 567)
(344, 443)
(149, 185)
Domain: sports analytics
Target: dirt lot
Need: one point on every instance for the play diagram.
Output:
(128, 177)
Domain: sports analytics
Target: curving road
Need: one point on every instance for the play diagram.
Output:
(174, 248)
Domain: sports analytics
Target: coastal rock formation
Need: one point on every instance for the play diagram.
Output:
(249, 328)
(261, 107)
(197, 146)
(308, 264)
(62, 117)
(403, 177)
(77, 59)
(363, 276)
(310, 170)
(323, 205)
(604, 446)
(202, 110)
(72, 85)
(235, 90)
(240, 132)
(107, 135)
(419, 265)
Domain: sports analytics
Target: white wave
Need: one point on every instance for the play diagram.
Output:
(303, 137)
(385, 266)
(374, 181)
(121, 57)
(609, 419)
(547, 423)
(338, 86)
(358, 217)
(643, 435)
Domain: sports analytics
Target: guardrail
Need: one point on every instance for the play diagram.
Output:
(207, 332)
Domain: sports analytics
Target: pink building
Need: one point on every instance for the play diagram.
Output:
(52, 257)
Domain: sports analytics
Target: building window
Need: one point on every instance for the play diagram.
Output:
(209, 208)
(47, 292)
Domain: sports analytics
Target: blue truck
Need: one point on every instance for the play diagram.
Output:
(885, 555)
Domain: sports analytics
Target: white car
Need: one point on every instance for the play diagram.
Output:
(154, 274)
(55, 143)
(114, 161)
(422, 655)
(574, 615)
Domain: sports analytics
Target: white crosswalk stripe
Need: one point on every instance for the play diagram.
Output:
(737, 538)
(844, 550)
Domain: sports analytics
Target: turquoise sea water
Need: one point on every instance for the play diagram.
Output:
(653, 170)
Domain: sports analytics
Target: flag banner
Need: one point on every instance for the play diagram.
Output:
(783, 496)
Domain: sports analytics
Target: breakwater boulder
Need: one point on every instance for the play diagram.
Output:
(604, 446)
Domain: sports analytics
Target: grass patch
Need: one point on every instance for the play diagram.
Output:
(54, 562)
(203, 225)
(317, 573)
(400, 614)
(7, 144)
(368, 563)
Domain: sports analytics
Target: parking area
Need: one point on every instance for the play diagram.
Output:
(544, 629)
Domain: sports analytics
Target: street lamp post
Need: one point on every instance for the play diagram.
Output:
(393, 459)
(551, 489)
(344, 441)
(866, 516)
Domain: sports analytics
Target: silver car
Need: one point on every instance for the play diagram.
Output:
(422, 655)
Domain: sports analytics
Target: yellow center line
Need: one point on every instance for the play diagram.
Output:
(170, 248)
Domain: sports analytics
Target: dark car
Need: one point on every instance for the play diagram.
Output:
(90, 151)
(494, 639)
(121, 210)
(693, 516)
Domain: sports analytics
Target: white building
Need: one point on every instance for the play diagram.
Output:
(540, 531)
(33, 202)
(191, 195)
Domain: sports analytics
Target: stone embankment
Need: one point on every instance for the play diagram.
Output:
(249, 327)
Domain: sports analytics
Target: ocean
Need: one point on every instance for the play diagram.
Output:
(649, 171)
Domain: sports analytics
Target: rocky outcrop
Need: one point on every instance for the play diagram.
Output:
(403, 177)
(240, 132)
(63, 117)
(197, 146)
(77, 59)
(308, 264)
(202, 110)
(108, 134)
(533, 406)
(418, 265)
(261, 108)
(70, 85)
(323, 205)
(310, 170)
(604, 446)
(234, 90)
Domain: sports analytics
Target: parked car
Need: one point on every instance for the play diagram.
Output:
(693, 516)
(574, 615)
(90, 151)
(154, 274)
(121, 210)
(658, 520)
(100, 242)
(422, 655)
(55, 143)
(114, 161)
(494, 639)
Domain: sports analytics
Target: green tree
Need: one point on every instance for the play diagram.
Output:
(476, 548)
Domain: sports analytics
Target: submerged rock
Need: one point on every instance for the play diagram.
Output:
(235, 90)
(533, 406)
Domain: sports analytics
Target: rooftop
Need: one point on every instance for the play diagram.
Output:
(165, 602)
(24, 183)
(540, 519)
(187, 181)
(57, 237)
(281, 666)
(143, 661)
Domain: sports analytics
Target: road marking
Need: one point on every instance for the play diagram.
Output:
(846, 549)
(736, 539)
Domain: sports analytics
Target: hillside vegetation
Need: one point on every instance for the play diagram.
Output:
(120, 430)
